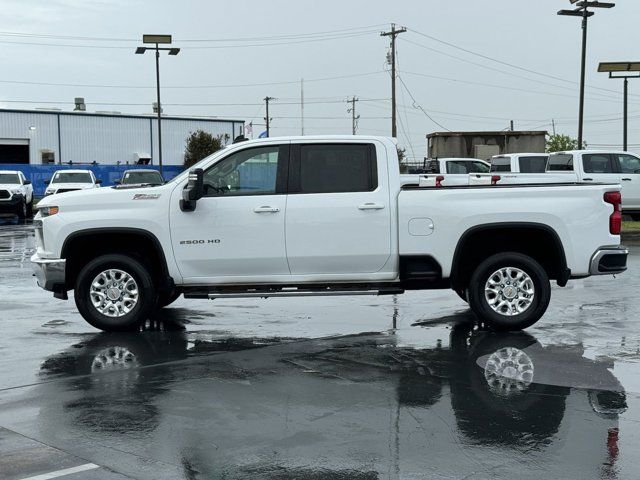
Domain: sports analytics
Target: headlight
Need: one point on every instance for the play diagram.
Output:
(16, 191)
(48, 211)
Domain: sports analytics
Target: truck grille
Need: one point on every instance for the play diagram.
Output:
(4, 194)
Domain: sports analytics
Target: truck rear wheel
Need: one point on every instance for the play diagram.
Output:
(509, 291)
(115, 293)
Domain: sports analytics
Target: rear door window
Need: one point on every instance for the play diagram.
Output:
(533, 164)
(466, 166)
(333, 168)
(598, 163)
(629, 164)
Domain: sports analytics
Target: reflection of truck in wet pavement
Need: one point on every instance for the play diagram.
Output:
(326, 215)
(357, 406)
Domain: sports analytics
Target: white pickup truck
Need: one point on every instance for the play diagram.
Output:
(16, 193)
(448, 172)
(326, 215)
(600, 166)
(64, 181)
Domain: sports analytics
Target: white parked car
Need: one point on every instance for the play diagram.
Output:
(71, 180)
(449, 172)
(323, 215)
(16, 193)
(600, 166)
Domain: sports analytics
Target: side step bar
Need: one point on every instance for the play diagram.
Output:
(289, 292)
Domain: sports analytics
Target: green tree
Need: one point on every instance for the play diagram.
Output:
(561, 143)
(201, 144)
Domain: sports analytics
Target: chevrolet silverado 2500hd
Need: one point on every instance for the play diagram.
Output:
(326, 215)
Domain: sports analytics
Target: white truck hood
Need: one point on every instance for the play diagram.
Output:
(76, 186)
(9, 186)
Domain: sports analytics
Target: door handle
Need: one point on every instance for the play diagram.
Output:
(588, 179)
(266, 209)
(626, 179)
(371, 206)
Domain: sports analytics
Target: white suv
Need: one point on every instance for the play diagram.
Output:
(16, 193)
(70, 181)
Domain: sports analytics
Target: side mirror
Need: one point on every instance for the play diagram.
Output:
(27, 182)
(47, 182)
(98, 182)
(194, 190)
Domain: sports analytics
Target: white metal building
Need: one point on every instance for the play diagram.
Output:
(54, 136)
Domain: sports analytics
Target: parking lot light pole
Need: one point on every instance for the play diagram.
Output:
(158, 40)
(625, 71)
(583, 11)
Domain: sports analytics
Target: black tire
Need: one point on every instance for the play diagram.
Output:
(166, 299)
(146, 300)
(500, 321)
(22, 209)
(30, 209)
(635, 217)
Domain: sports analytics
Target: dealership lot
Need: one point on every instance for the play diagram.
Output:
(340, 388)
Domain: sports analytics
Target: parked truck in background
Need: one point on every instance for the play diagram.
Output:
(323, 215)
(448, 172)
(16, 193)
(64, 181)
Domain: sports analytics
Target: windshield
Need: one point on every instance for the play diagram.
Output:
(134, 178)
(533, 164)
(560, 162)
(9, 178)
(76, 177)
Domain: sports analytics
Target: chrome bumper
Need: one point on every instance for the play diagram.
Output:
(609, 261)
(50, 273)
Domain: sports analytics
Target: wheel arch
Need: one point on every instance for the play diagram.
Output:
(82, 245)
(482, 241)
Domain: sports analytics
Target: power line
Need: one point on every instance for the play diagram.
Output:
(418, 106)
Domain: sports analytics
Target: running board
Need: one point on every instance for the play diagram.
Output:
(290, 292)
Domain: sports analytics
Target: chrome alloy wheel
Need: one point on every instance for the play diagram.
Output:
(509, 291)
(508, 371)
(114, 293)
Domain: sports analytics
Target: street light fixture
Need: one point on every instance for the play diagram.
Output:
(622, 70)
(582, 11)
(158, 40)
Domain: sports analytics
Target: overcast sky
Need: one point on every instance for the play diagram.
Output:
(229, 47)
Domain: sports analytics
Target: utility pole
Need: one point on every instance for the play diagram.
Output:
(511, 126)
(302, 106)
(354, 117)
(393, 34)
(553, 124)
(267, 119)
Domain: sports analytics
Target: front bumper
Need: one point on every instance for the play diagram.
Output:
(609, 261)
(50, 273)
(11, 205)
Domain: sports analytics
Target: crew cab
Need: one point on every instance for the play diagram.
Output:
(323, 215)
(520, 163)
(16, 193)
(600, 166)
(64, 181)
(141, 177)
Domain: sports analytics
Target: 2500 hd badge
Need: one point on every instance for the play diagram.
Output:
(199, 242)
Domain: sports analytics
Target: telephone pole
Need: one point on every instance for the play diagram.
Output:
(354, 117)
(393, 34)
(267, 119)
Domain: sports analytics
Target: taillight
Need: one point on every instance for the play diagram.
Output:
(615, 220)
(439, 180)
(495, 179)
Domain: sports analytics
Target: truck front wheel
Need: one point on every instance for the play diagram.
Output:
(115, 293)
(509, 291)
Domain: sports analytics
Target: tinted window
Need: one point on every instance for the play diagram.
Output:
(330, 168)
(466, 166)
(66, 177)
(560, 162)
(533, 164)
(133, 178)
(248, 172)
(597, 163)
(628, 164)
(9, 178)
(501, 164)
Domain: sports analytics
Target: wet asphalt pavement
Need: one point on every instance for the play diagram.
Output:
(331, 388)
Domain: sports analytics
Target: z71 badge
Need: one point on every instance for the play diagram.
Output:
(199, 242)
